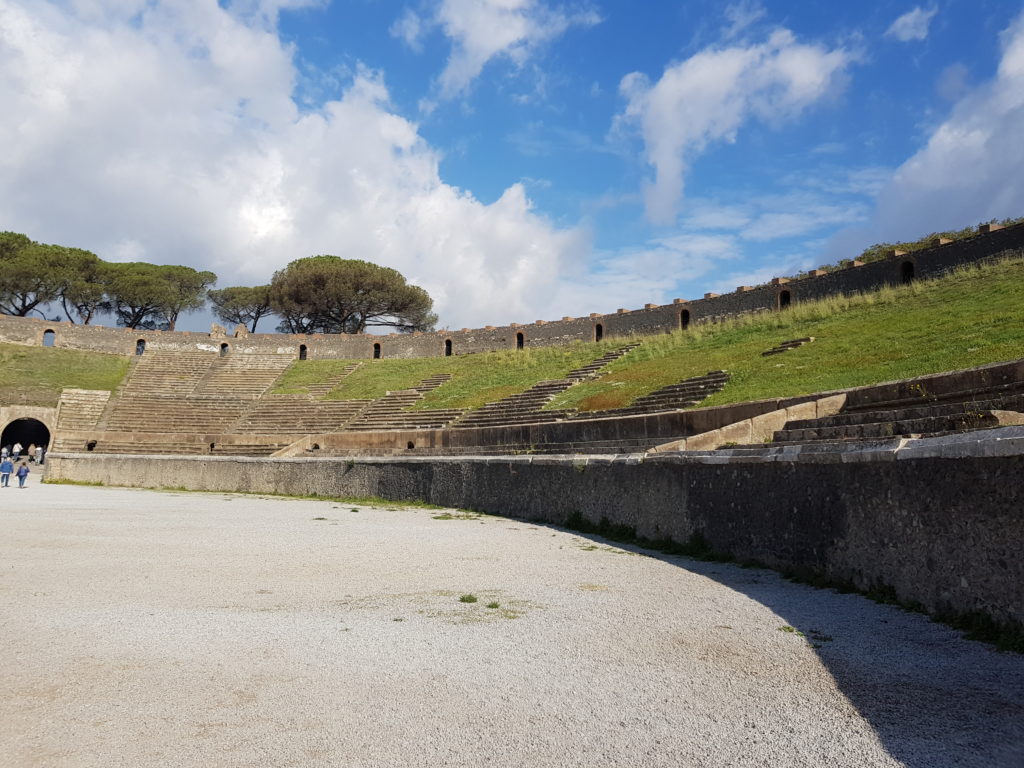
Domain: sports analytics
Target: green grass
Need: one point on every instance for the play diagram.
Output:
(972, 317)
(468, 599)
(36, 375)
(476, 379)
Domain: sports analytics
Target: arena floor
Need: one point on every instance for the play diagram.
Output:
(140, 628)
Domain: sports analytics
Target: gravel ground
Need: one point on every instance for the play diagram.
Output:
(167, 629)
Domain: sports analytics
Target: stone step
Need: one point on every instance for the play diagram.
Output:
(948, 424)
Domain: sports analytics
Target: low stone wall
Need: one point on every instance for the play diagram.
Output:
(939, 521)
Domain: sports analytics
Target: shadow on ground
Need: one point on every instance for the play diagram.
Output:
(933, 698)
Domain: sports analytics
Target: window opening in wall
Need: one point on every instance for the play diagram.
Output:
(598, 332)
(212, 446)
(907, 272)
(520, 341)
(302, 352)
(785, 299)
(376, 351)
(223, 349)
(48, 337)
(91, 445)
(684, 319)
(140, 346)
(447, 347)
(410, 445)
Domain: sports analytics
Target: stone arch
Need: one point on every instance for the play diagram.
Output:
(447, 347)
(224, 349)
(907, 269)
(684, 319)
(598, 332)
(303, 352)
(27, 431)
(49, 337)
(140, 347)
(520, 340)
(785, 299)
(377, 353)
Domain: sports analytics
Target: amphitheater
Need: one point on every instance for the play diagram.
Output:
(908, 490)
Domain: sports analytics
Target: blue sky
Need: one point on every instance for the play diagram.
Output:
(520, 159)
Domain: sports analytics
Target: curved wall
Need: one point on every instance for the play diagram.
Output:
(652, 319)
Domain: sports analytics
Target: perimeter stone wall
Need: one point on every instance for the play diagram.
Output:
(652, 319)
(940, 521)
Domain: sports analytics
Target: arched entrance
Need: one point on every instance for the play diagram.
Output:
(27, 432)
(907, 272)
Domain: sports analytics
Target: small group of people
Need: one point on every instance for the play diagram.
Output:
(33, 454)
(10, 464)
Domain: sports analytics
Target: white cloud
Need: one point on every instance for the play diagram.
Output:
(483, 30)
(168, 131)
(972, 167)
(708, 97)
(741, 16)
(912, 25)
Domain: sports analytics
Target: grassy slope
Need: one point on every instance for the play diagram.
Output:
(36, 375)
(476, 379)
(973, 317)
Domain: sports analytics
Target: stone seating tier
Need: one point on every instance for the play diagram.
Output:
(81, 408)
(936, 419)
(168, 373)
(684, 394)
(243, 375)
(320, 389)
(175, 414)
(298, 415)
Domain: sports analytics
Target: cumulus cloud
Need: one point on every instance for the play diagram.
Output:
(169, 131)
(912, 25)
(708, 97)
(483, 30)
(972, 167)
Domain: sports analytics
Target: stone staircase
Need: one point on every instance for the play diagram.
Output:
(527, 407)
(685, 394)
(522, 408)
(298, 415)
(929, 420)
(162, 413)
(392, 410)
(167, 373)
(321, 389)
(80, 409)
(787, 345)
(242, 375)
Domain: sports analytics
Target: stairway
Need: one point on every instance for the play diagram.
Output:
(685, 394)
(527, 407)
(392, 410)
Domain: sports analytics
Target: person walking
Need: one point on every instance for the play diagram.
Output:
(6, 468)
(31, 452)
(39, 455)
(16, 451)
(5, 452)
(22, 473)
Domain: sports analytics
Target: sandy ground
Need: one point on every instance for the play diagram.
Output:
(162, 629)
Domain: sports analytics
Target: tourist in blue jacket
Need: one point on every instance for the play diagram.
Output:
(22, 473)
(6, 467)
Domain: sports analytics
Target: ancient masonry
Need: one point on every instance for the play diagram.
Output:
(941, 257)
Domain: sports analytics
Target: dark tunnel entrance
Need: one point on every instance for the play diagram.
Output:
(27, 432)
